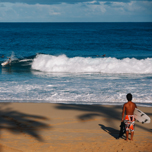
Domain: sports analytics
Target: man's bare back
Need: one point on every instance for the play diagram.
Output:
(129, 107)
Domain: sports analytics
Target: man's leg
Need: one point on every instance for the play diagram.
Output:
(127, 129)
(127, 133)
(132, 131)
(132, 134)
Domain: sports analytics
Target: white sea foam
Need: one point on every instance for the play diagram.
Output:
(78, 89)
(49, 63)
(25, 60)
(81, 80)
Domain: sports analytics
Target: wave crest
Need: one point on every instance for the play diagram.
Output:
(50, 63)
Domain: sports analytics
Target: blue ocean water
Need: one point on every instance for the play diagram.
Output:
(78, 63)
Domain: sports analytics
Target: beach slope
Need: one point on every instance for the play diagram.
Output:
(38, 127)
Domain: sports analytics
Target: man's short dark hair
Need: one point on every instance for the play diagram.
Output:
(129, 96)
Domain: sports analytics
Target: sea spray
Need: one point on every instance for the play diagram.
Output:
(49, 63)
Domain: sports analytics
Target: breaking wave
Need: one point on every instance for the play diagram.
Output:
(50, 63)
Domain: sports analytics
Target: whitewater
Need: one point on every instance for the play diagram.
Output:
(50, 63)
(77, 80)
(65, 63)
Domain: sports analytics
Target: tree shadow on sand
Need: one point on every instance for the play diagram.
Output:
(92, 111)
(110, 113)
(17, 122)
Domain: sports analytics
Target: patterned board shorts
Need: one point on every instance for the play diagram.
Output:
(129, 122)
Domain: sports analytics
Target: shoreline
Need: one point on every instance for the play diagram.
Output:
(68, 127)
(79, 103)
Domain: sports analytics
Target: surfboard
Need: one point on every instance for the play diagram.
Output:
(4, 63)
(141, 116)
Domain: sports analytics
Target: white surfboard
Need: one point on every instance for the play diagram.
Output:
(4, 63)
(141, 116)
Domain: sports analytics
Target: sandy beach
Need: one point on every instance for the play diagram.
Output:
(45, 127)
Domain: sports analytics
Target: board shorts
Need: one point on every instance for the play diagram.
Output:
(129, 122)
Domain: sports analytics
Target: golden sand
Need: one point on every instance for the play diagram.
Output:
(45, 127)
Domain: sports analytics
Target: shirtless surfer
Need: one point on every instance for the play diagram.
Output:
(129, 108)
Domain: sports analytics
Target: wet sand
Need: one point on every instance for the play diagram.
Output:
(45, 127)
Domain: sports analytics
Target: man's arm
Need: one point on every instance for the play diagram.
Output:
(123, 112)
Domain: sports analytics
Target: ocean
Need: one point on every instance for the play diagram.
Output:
(76, 63)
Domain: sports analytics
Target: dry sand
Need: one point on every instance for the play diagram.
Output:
(44, 127)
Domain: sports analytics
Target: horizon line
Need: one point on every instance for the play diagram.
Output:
(80, 22)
